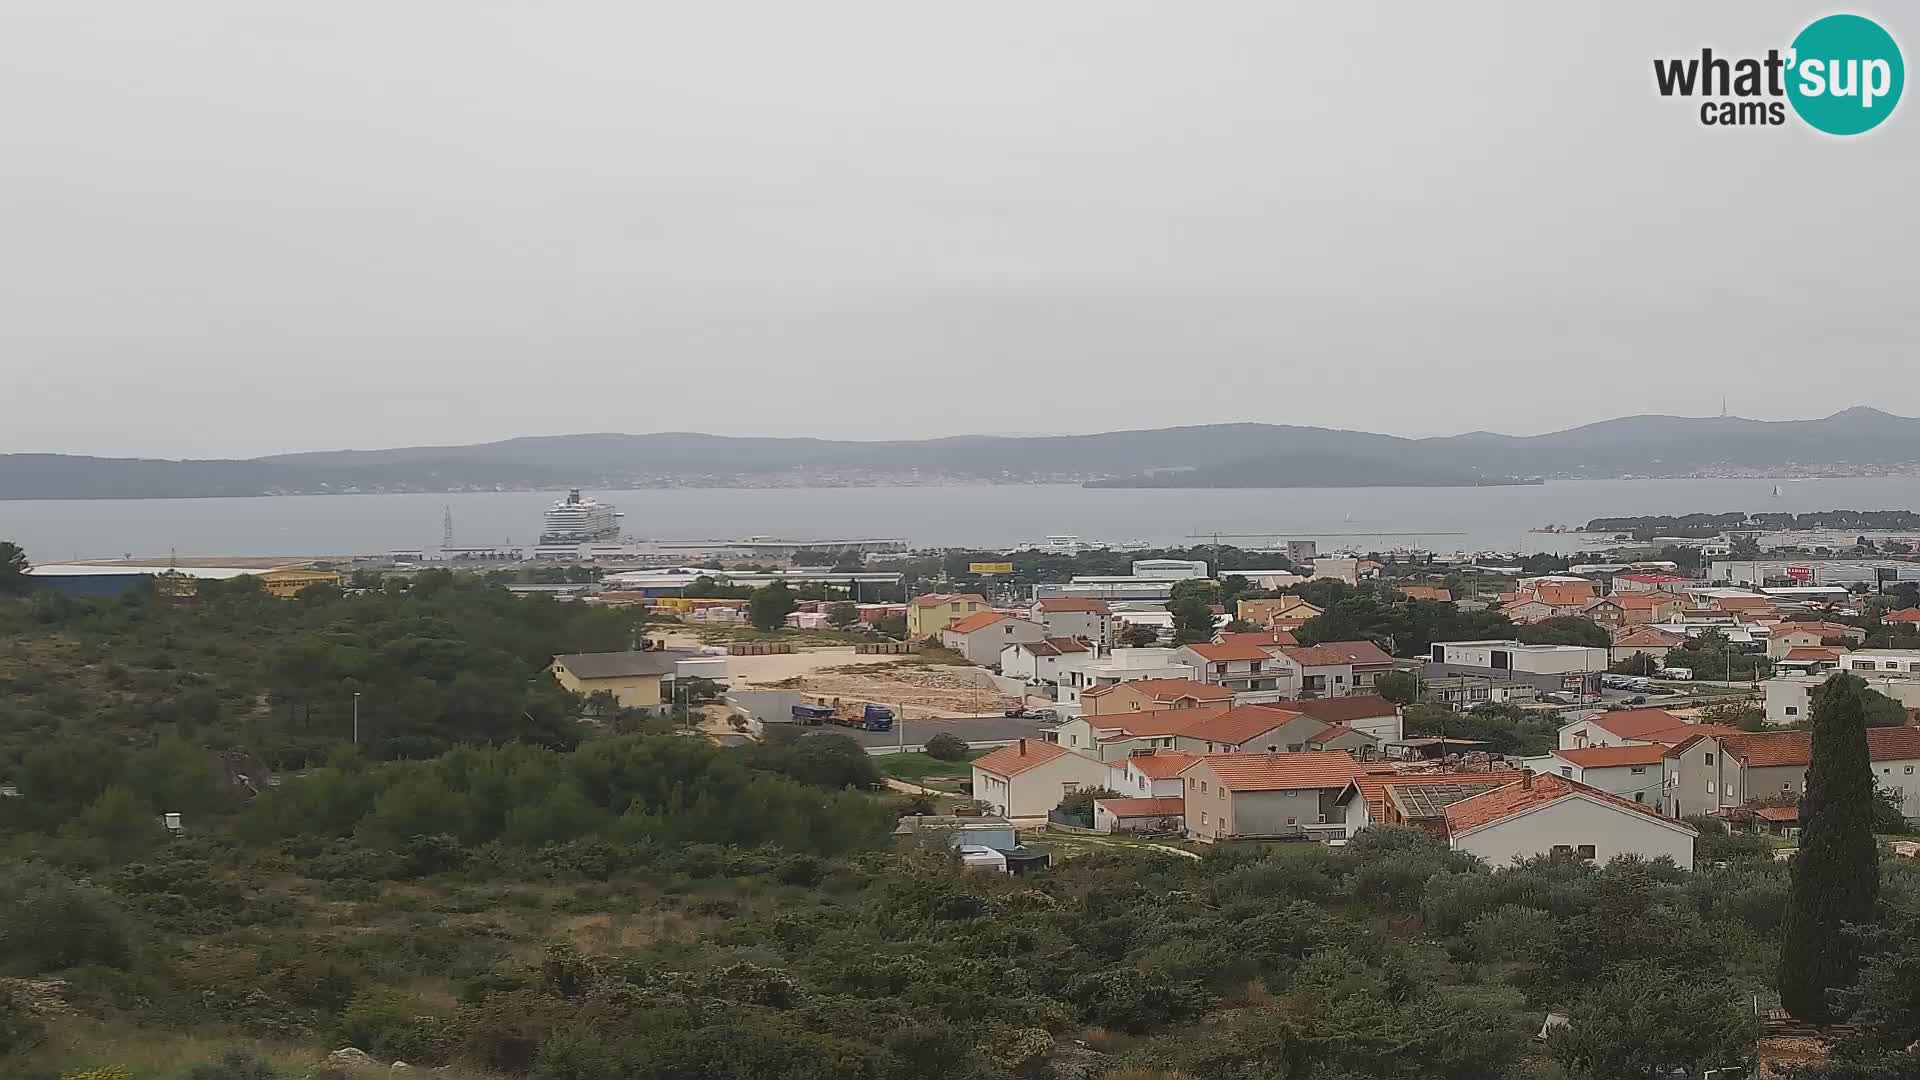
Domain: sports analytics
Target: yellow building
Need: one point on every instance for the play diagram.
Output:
(633, 678)
(1279, 612)
(928, 615)
(287, 581)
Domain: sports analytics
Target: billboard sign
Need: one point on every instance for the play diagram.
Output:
(1800, 573)
(990, 568)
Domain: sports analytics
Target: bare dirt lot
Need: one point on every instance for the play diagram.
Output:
(914, 687)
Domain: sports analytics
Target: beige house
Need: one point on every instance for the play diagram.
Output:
(1263, 728)
(1279, 612)
(1725, 770)
(1147, 695)
(928, 615)
(1553, 815)
(633, 678)
(1030, 777)
(1266, 796)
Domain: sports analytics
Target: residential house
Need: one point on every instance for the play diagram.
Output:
(980, 637)
(1789, 697)
(1427, 592)
(1144, 695)
(1328, 670)
(1276, 613)
(1124, 665)
(1030, 777)
(1369, 713)
(1634, 771)
(1654, 642)
(1629, 609)
(1266, 796)
(286, 582)
(1811, 660)
(1116, 735)
(633, 678)
(1796, 635)
(928, 615)
(1076, 617)
(1621, 727)
(1461, 692)
(1363, 659)
(1903, 617)
(1156, 815)
(1554, 815)
(1573, 669)
(1149, 773)
(1257, 728)
(1713, 772)
(1866, 662)
(1049, 661)
(1251, 672)
(1651, 583)
(1265, 639)
(1417, 800)
(1527, 610)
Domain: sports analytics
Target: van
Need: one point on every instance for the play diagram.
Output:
(1676, 674)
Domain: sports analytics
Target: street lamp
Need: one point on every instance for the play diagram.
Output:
(356, 718)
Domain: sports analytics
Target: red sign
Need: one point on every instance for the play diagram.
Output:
(1800, 573)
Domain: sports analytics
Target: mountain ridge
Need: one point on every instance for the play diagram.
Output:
(1242, 454)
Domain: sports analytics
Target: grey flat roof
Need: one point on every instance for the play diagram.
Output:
(614, 665)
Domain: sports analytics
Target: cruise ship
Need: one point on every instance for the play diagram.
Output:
(576, 519)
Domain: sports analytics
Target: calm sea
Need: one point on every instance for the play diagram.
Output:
(1442, 519)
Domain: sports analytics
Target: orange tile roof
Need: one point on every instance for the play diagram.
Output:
(1564, 593)
(1165, 690)
(1258, 637)
(1281, 772)
(1814, 653)
(1824, 629)
(1906, 615)
(1151, 723)
(1161, 764)
(1357, 652)
(1742, 603)
(1228, 652)
(1607, 757)
(1426, 592)
(1647, 635)
(1629, 601)
(1635, 723)
(1504, 802)
(1766, 749)
(1777, 813)
(1169, 806)
(1344, 710)
(1072, 603)
(1021, 756)
(1236, 726)
(1326, 655)
(1680, 733)
(979, 620)
(1335, 731)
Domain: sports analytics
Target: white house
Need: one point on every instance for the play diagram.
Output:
(1075, 617)
(1048, 661)
(980, 637)
(1370, 713)
(1553, 815)
(1146, 774)
(1635, 772)
(1622, 727)
(1030, 777)
(1125, 665)
(1253, 673)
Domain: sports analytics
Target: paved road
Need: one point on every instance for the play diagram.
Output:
(916, 732)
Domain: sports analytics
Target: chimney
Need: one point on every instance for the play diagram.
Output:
(1526, 780)
(1023, 748)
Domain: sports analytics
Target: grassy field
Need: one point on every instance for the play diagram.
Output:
(919, 768)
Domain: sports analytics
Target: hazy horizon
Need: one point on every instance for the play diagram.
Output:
(237, 230)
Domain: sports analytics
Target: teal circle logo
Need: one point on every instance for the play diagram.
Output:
(1846, 74)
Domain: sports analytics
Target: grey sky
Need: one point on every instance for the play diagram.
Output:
(237, 228)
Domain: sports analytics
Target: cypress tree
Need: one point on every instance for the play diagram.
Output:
(1836, 876)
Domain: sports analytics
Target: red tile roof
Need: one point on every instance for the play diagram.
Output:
(1742, 603)
(1281, 772)
(1629, 601)
(1344, 710)
(1237, 725)
(1053, 646)
(1635, 723)
(1426, 592)
(1814, 653)
(1777, 813)
(1565, 593)
(1824, 629)
(1363, 653)
(1165, 690)
(1170, 806)
(1057, 604)
(1681, 733)
(1021, 756)
(1161, 764)
(1229, 652)
(1335, 731)
(1607, 757)
(1151, 723)
(1517, 798)
(1318, 656)
(1771, 749)
(1906, 615)
(979, 620)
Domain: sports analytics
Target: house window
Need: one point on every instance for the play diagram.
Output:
(1709, 759)
(1908, 770)
(1586, 851)
(1729, 787)
(1291, 821)
(1566, 771)
(1203, 817)
(1788, 786)
(1562, 849)
(1793, 710)
(1637, 770)
(1639, 796)
(1223, 794)
(1203, 786)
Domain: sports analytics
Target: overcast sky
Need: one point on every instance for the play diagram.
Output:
(237, 228)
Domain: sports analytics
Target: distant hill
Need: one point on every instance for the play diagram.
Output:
(1212, 455)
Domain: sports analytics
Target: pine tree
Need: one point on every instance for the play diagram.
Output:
(1836, 876)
